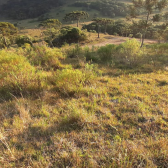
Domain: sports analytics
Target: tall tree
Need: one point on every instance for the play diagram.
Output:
(148, 7)
(52, 26)
(102, 21)
(99, 22)
(76, 16)
(106, 22)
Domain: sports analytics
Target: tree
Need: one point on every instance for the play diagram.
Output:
(161, 33)
(148, 7)
(102, 21)
(7, 31)
(52, 31)
(98, 21)
(105, 22)
(50, 23)
(126, 30)
(76, 16)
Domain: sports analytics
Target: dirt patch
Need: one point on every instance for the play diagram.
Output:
(118, 40)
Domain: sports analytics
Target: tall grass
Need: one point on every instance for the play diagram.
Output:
(17, 75)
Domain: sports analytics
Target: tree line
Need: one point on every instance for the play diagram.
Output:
(110, 8)
(143, 27)
(25, 9)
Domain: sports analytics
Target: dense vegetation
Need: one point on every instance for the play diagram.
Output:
(24, 9)
(82, 107)
(28, 8)
(65, 103)
(108, 8)
(123, 28)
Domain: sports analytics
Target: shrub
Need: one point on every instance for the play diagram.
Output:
(130, 52)
(17, 75)
(70, 35)
(160, 48)
(106, 52)
(22, 39)
(5, 42)
(44, 56)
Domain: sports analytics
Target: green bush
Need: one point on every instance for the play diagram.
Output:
(22, 39)
(130, 52)
(5, 41)
(70, 35)
(43, 56)
(17, 75)
(106, 52)
(160, 48)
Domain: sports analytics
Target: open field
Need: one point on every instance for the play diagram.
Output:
(59, 109)
(95, 103)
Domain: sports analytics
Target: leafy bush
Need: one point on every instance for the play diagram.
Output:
(44, 56)
(70, 35)
(160, 48)
(130, 52)
(22, 39)
(17, 75)
(106, 52)
(4, 42)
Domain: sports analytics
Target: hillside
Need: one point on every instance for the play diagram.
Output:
(77, 97)
(30, 13)
(60, 109)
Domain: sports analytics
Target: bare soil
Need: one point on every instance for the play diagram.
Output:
(118, 40)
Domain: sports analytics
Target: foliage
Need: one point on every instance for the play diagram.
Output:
(149, 7)
(7, 33)
(131, 52)
(17, 75)
(102, 22)
(50, 23)
(5, 42)
(70, 35)
(123, 28)
(119, 26)
(110, 8)
(22, 39)
(106, 52)
(52, 31)
(76, 16)
(43, 56)
(7, 29)
(24, 9)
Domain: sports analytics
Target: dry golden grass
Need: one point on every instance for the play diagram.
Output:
(111, 115)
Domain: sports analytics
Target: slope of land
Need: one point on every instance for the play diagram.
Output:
(81, 107)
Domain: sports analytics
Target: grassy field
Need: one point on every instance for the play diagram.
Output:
(83, 107)
(60, 109)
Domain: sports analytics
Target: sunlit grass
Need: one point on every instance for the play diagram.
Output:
(86, 113)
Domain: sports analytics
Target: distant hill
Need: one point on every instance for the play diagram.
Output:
(24, 9)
